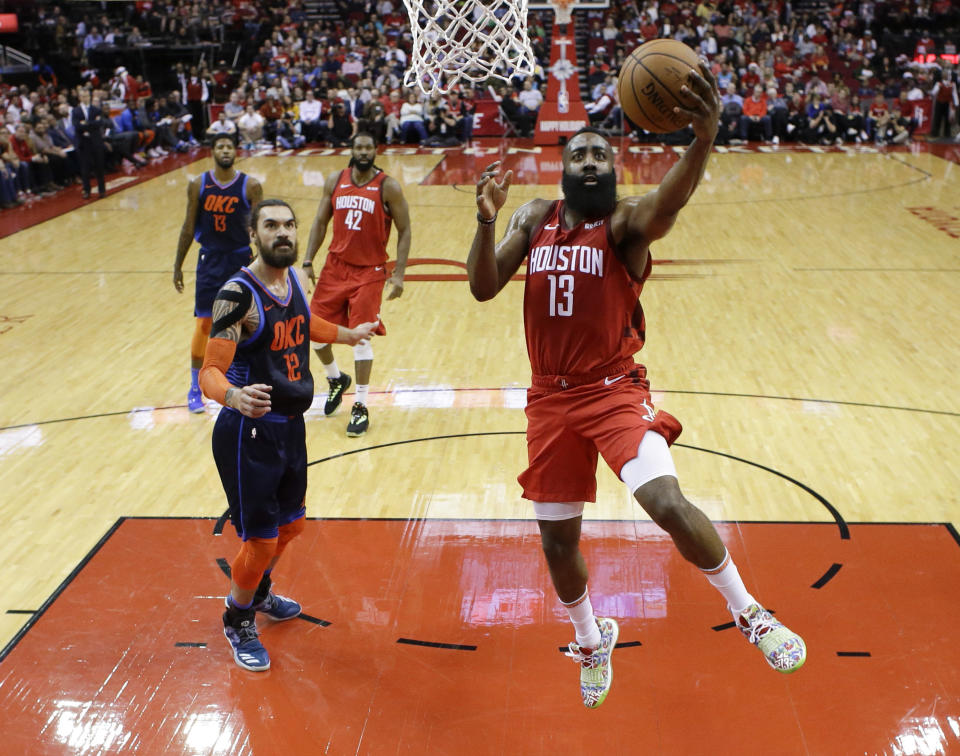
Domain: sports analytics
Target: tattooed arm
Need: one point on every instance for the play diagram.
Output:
(235, 316)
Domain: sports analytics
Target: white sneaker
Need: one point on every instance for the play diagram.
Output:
(783, 649)
(596, 666)
(776, 141)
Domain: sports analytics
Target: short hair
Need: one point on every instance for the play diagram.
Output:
(255, 212)
(364, 134)
(223, 135)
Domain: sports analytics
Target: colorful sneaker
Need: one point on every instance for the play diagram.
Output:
(240, 628)
(596, 665)
(278, 607)
(359, 420)
(783, 649)
(335, 395)
(195, 402)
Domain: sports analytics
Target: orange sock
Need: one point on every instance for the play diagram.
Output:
(198, 344)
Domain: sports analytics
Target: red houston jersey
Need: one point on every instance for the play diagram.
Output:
(581, 307)
(361, 224)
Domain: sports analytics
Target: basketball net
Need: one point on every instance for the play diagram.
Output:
(562, 11)
(472, 40)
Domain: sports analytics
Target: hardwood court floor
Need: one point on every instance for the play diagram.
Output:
(802, 324)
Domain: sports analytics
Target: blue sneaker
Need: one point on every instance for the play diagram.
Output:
(278, 608)
(240, 628)
(195, 401)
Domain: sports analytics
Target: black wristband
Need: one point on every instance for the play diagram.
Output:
(486, 221)
(306, 264)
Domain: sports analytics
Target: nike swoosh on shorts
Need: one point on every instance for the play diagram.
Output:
(607, 381)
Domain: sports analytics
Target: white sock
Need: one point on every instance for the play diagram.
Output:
(362, 392)
(581, 615)
(332, 370)
(726, 579)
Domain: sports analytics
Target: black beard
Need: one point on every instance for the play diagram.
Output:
(281, 256)
(225, 162)
(362, 165)
(590, 200)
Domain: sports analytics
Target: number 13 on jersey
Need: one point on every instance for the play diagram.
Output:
(561, 295)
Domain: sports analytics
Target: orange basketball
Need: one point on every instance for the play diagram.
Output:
(650, 81)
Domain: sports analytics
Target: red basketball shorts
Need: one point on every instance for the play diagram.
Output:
(348, 295)
(566, 429)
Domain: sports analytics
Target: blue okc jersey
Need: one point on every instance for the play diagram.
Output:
(278, 354)
(224, 214)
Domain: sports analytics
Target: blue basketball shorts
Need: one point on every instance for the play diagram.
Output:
(214, 269)
(263, 467)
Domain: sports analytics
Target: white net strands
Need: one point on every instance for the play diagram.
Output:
(471, 40)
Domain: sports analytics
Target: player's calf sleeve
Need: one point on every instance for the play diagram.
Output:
(201, 333)
(288, 532)
(252, 561)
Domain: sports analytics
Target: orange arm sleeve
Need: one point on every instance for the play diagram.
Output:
(213, 375)
(322, 331)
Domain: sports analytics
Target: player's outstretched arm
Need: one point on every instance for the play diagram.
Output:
(651, 216)
(186, 231)
(318, 230)
(234, 314)
(683, 178)
(324, 332)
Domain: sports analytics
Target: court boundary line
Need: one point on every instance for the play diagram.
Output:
(88, 557)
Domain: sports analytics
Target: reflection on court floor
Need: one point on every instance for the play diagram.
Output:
(440, 636)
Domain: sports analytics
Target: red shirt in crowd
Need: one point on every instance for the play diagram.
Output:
(755, 108)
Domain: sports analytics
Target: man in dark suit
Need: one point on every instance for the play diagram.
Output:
(88, 128)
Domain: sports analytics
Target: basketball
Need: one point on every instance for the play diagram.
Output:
(650, 81)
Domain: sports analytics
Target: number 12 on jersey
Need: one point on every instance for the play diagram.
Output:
(561, 295)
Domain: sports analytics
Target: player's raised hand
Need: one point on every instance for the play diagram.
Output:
(491, 194)
(705, 110)
(178, 279)
(252, 400)
(354, 336)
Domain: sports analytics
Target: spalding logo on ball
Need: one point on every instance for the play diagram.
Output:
(650, 81)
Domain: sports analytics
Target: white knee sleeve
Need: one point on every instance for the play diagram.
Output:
(653, 460)
(557, 510)
(363, 350)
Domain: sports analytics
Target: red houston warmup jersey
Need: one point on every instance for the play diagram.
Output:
(581, 307)
(361, 225)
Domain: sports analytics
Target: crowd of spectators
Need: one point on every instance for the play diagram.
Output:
(784, 75)
(852, 74)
